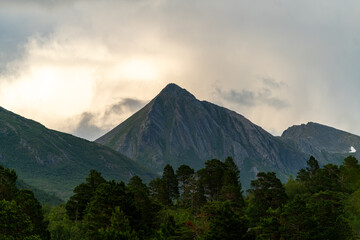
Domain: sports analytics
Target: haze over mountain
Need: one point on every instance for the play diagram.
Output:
(176, 128)
(56, 162)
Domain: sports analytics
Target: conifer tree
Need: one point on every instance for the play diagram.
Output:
(77, 204)
(171, 182)
(231, 189)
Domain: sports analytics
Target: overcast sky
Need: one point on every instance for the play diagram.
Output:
(83, 67)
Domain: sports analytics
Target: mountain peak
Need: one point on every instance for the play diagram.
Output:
(174, 91)
(171, 87)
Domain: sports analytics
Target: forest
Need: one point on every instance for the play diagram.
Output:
(317, 203)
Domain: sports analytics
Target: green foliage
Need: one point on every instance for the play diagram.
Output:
(61, 227)
(224, 223)
(353, 209)
(14, 224)
(268, 193)
(297, 219)
(350, 174)
(231, 189)
(107, 197)
(211, 178)
(119, 228)
(56, 162)
(20, 212)
(8, 187)
(170, 182)
(328, 213)
(293, 188)
(322, 203)
(83, 194)
(148, 207)
(159, 191)
(32, 208)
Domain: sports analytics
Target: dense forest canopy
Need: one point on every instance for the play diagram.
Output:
(319, 203)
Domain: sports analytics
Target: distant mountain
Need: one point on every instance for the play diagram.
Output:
(56, 162)
(326, 144)
(176, 128)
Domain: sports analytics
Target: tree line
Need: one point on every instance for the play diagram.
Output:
(318, 203)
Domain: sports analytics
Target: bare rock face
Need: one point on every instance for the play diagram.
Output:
(326, 144)
(175, 128)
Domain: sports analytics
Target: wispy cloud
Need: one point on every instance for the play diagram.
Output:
(255, 98)
(92, 125)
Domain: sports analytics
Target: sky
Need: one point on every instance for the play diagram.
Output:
(84, 66)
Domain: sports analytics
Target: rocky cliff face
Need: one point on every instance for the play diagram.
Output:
(176, 128)
(56, 162)
(327, 144)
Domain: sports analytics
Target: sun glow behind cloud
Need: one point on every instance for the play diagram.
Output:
(137, 69)
(58, 79)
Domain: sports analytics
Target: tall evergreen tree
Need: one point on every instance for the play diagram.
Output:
(77, 204)
(224, 223)
(183, 173)
(171, 182)
(31, 207)
(107, 197)
(268, 192)
(231, 189)
(159, 191)
(350, 174)
(143, 202)
(8, 189)
(211, 178)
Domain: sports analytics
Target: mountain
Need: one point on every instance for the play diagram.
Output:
(326, 144)
(56, 162)
(175, 128)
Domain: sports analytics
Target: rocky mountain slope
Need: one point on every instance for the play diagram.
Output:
(56, 162)
(327, 144)
(176, 128)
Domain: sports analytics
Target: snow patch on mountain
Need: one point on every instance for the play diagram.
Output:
(352, 150)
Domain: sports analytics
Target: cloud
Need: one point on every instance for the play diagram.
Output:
(293, 61)
(92, 125)
(269, 82)
(251, 99)
(86, 128)
(243, 97)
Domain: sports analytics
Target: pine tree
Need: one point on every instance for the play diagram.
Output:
(77, 204)
(171, 182)
(211, 178)
(268, 192)
(159, 191)
(231, 189)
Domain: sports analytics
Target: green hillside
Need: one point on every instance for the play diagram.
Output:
(55, 162)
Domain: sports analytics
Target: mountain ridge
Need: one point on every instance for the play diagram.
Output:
(175, 128)
(327, 144)
(56, 162)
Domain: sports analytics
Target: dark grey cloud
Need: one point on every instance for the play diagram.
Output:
(86, 128)
(126, 104)
(93, 125)
(253, 98)
(269, 82)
